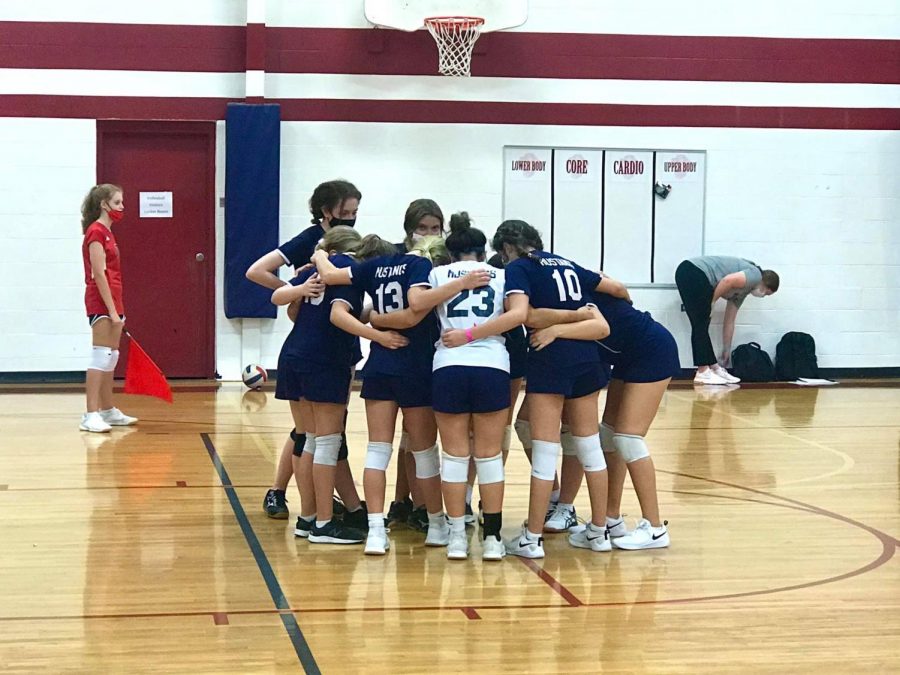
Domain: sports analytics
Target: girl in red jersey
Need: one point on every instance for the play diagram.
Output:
(103, 206)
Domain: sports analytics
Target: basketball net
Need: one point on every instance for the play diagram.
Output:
(455, 37)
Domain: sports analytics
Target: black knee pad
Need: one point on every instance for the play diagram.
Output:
(299, 442)
(342, 453)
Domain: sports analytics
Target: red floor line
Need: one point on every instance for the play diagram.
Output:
(471, 613)
(180, 483)
(545, 576)
(220, 618)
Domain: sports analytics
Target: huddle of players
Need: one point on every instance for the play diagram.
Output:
(449, 350)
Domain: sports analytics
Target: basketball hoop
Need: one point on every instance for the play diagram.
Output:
(455, 37)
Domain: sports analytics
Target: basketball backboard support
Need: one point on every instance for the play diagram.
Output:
(410, 15)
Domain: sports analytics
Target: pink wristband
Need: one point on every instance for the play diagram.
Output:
(469, 337)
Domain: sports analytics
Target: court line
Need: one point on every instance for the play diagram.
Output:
(307, 660)
(847, 462)
(548, 579)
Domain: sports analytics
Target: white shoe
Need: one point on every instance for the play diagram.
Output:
(116, 418)
(524, 547)
(709, 376)
(94, 423)
(590, 538)
(492, 548)
(644, 536)
(725, 375)
(458, 546)
(562, 520)
(617, 528)
(438, 536)
(377, 543)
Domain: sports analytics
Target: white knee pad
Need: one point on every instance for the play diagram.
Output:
(607, 434)
(327, 449)
(632, 448)
(523, 431)
(454, 469)
(103, 358)
(428, 463)
(589, 453)
(543, 459)
(489, 469)
(567, 440)
(310, 447)
(507, 439)
(378, 456)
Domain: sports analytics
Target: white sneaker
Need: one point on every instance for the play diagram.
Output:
(725, 375)
(116, 418)
(617, 528)
(562, 520)
(644, 536)
(94, 423)
(377, 542)
(438, 536)
(590, 538)
(492, 548)
(709, 376)
(524, 547)
(458, 546)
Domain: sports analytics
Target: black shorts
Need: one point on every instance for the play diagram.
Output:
(94, 318)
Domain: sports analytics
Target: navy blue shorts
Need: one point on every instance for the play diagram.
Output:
(328, 384)
(413, 391)
(517, 346)
(469, 389)
(572, 381)
(652, 358)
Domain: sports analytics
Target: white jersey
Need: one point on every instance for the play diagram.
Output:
(467, 310)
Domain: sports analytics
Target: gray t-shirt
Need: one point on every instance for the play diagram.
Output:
(716, 267)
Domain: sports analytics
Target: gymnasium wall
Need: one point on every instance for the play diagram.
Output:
(801, 131)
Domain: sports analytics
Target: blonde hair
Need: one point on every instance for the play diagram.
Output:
(433, 248)
(341, 239)
(90, 207)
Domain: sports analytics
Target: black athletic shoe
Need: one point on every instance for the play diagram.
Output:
(418, 519)
(303, 527)
(275, 505)
(358, 520)
(337, 507)
(399, 512)
(335, 532)
(469, 515)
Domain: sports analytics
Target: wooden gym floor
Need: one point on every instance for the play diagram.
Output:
(146, 550)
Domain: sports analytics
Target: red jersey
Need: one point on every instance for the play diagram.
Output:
(92, 301)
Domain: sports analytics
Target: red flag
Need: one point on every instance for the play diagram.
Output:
(144, 377)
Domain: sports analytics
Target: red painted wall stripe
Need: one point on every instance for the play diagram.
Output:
(89, 46)
(256, 46)
(503, 54)
(464, 112)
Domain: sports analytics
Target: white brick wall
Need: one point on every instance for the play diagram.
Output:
(839, 262)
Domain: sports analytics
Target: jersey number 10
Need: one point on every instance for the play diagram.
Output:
(567, 284)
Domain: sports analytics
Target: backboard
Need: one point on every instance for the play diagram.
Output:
(410, 15)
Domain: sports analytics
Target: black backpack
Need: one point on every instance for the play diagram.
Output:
(795, 356)
(750, 363)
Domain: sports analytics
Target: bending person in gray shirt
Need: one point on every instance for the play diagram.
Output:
(701, 281)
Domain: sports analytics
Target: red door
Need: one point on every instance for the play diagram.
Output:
(168, 261)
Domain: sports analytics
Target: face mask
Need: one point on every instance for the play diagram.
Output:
(758, 292)
(116, 216)
(347, 222)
